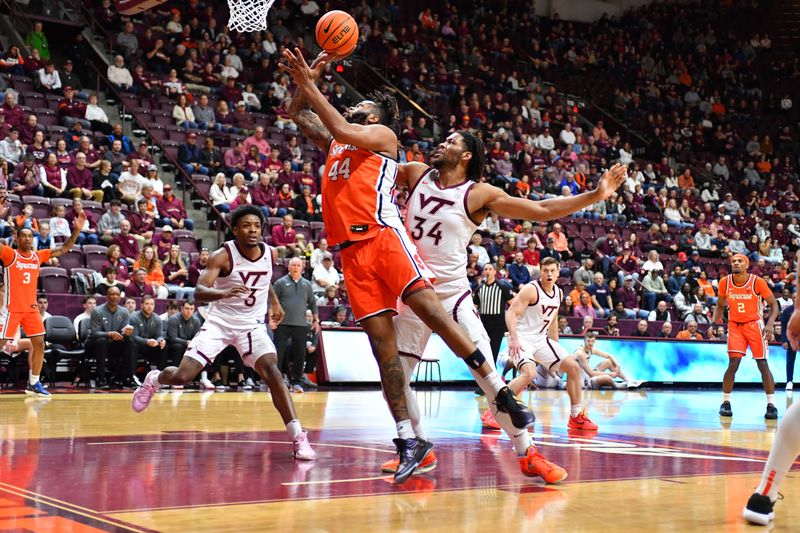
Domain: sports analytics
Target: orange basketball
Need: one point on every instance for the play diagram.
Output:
(337, 33)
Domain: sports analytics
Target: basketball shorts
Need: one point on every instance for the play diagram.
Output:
(212, 339)
(744, 334)
(543, 350)
(30, 321)
(546, 380)
(377, 271)
(456, 298)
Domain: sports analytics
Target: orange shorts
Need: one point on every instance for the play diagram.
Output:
(377, 271)
(744, 334)
(31, 323)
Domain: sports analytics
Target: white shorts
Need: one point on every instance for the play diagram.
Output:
(546, 381)
(542, 350)
(456, 298)
(212, 339)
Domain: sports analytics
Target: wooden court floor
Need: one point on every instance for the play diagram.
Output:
(662, 461)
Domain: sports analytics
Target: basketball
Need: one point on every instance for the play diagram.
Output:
(337, 33)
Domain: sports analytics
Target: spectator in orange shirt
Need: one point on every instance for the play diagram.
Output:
(690, 333)
(685, 180)
(523, 187)
(415, 154)
(708, 288)
(560, 241)
(764, 166)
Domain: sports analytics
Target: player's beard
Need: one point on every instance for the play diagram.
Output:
(357, 117)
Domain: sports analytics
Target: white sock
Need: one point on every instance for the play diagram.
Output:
(490, 384)
(726, 396)
(784, 451)
(293, 428)
(575, 410)
(771, 399)
(409, 364)
(620, 385)
(155, 379)
(203, 375)
(33, 379)
(405, 430)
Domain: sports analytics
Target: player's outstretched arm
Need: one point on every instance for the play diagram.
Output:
(205, 292)
(489, 198)
(80, 220)
(309, 123)
(375, 137)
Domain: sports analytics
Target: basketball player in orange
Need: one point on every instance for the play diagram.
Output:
(760, 506)
(745, 294)
(379, 259)
(21, 275)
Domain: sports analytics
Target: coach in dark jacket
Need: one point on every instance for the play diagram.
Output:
(110, 332)
(148, 334)
(181, 328)
(296, 296)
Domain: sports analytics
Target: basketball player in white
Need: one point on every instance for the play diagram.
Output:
(445, 206)
(237, 283)
(760, 508)
(532, 322)
(604, 373)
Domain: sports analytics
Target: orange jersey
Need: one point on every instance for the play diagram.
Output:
(746, 301)
(21, 276)
(357, 194)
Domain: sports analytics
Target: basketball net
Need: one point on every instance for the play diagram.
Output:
(248, 15)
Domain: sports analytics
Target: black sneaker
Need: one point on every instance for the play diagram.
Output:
(759, 509)
(772, 412)
(521, 415)
(725, 409)
(412, 452)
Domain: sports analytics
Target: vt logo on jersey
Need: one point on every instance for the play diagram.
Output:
(438, 202)
(252, 274)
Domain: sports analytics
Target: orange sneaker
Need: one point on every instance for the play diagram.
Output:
(581, 422)
(428, 463)
(534, 464)
(488, 420)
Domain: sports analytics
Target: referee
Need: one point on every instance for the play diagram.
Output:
(491, 298)
(296, 296)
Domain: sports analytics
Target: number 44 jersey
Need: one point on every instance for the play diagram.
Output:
(440, 225)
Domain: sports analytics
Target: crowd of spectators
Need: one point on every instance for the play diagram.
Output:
(716, 177)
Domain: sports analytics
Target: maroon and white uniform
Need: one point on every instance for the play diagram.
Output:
(239, 321)
(533, 330)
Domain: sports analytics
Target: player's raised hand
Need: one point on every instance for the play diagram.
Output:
(237, 291)
(611, 180)
(295, 64)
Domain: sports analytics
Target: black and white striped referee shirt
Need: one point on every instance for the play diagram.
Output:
(491, 299)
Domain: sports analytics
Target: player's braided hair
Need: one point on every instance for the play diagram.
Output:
(474, 146)
(387, 109)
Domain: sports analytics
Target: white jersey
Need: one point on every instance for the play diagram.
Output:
(440, 225)
(537, 318)
(250, 310)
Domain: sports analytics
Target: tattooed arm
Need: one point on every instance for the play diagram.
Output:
(309, 123)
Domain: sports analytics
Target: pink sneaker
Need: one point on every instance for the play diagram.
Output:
(302, 448)
(143, 395)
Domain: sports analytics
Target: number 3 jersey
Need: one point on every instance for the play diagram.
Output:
(249, 310)
(357, 191)
(20, 276)
(440, 225)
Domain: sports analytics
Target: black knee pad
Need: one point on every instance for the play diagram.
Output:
(475, 360)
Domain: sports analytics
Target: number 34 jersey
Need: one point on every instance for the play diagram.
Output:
(440, 225)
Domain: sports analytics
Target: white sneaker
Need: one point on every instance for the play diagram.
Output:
(177, 387)
(249, 383)
(635, 384)
(789, 386)
(206, 384)
(302, 448)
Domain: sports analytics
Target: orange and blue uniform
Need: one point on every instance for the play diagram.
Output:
(745, 315)
(379, 259)
(21, 276)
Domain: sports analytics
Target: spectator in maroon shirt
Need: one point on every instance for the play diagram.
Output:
(273, 163)
(71, 110)
(115, 260)
(288, 176)
(143, 223)
(79, 180)
(242, 197)
(306, 178)
(224, 118)
(198, 266)
(231, 93)
(139, 286)
(254, 162)
(283, 237)
(27, 129)
(171, 210)
(128, 244)
(89, 231)
(265, 196)
(630, 299)
(163, 241)
(27, 177)
(243, 119)
(93, 157)
(285, 198)
(15, 115)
